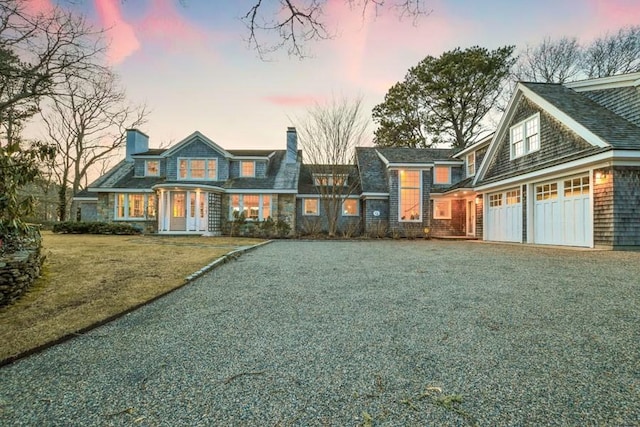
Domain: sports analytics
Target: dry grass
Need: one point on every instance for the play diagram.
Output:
(89, 278)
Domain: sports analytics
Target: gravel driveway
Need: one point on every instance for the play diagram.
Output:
(375, 333)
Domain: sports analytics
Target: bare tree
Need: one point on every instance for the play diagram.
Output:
(295, 23)
(87, 126)
(552, 61)
(38, 51)
(328, 137)
(613, 54)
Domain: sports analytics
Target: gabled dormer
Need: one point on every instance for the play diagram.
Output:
(197, 159)
(472, 156)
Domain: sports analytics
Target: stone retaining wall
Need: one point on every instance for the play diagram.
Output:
(18, 271)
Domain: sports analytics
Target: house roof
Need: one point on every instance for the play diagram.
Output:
(373, 176)
(465, 183)
(280, 176)
(151, 152)
(306, 184)
(613, 129)
(405, 155)
(251, 153)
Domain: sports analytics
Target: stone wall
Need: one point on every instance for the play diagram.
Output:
(18, 271)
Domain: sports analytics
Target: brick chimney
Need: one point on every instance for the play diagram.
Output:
(137, 142)
(292, 145)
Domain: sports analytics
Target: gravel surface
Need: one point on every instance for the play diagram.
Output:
(381, 333)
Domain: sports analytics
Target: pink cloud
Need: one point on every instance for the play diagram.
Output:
(164, 24)
(608, 16)
(38, 6)
(123, 39)
(291, 101)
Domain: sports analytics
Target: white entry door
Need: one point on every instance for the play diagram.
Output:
(504, 216)
(197, 211)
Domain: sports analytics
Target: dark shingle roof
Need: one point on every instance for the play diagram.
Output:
(415, 155)
(373, 175)
(251, 153)
(465, 183)
(306, 186)
(151, 152)
(610, 127)
(624, 101)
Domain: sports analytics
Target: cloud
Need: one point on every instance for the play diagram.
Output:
(38, 6)
(608, 16)
(123, 39)
(291, 101)
(163, 24)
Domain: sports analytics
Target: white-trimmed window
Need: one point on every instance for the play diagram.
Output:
(442, 209)
(350, 207)
(327, 179)
(410, 203)
(254, 207)
(525, 136)
(247, 168)
(152, 168)
(442, 175)
(135, 206)
(471, 164)
(198, 169)
(310, 207)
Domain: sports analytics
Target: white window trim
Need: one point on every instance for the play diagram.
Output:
(435, 211)
(357, 208)
(304, 211)
(241, 174)
(329, 178)
(467, 163)
(126, 216)
(206, 169)
(525, 147)
(419, 194)
(146, 168)
(260, 206)
(435, 175)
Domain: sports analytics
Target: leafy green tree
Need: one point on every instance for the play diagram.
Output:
(443, 100)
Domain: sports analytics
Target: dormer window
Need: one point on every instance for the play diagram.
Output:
(442, 175)
(247, 168)
(525, 136)
(330, 180)
(198, 169)
(471, 164)
(152, 168)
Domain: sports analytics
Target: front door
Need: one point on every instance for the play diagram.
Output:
(471, 218)
(178, 211)
(196, 220)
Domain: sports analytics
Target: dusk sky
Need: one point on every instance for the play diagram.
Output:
(191, 64)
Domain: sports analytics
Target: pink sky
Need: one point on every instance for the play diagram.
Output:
(191, 65)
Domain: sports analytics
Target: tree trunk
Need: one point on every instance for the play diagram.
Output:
(62, 203)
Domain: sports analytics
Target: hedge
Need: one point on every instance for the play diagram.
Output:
(73, 227)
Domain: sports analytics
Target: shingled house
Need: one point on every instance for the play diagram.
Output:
(562, 168)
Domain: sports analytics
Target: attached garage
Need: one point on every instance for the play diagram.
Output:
(504, 216)
(562, 212)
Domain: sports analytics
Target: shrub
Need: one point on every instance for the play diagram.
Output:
(351, 229)
(378, 230)
(311, 227)
(73, 227)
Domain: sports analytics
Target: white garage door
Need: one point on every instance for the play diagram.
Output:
(504, 216)
(562, 213)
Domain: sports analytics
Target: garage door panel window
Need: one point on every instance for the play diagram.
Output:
(547, 191)
(495, 200)
(576, 186)
(513, 197)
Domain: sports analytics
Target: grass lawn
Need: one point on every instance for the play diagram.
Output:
(88, 278)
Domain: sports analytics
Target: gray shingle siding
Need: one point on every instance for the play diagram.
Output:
(603, 232)
(556, 142)
(372, 222)
(344, 222)
(626, 210)
(261, 169)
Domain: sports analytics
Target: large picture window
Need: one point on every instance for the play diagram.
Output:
(525, 136)
(198, 169)
(410, 201)
(135, 206)
(254, 207)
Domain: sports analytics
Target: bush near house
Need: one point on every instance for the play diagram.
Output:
(72, 227)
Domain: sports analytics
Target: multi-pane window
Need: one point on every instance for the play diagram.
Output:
(255, 207)
(525, 137)
(152, 168)
(325, 179)
(495, 200)
(135, 206)
(247, 168)
(442, 209)
(547, 191)
(198, 169)
(513, 197)
(310, 206)
(350, 207)
(471, 164)
(442, 175)
(410, 201)
(576, 186)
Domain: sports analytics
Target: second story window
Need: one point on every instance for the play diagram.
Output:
(525, 136)
(198, 169)
(442, 175)
(327, 179)
(152, 168)
(471, 164)
(247, 168)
